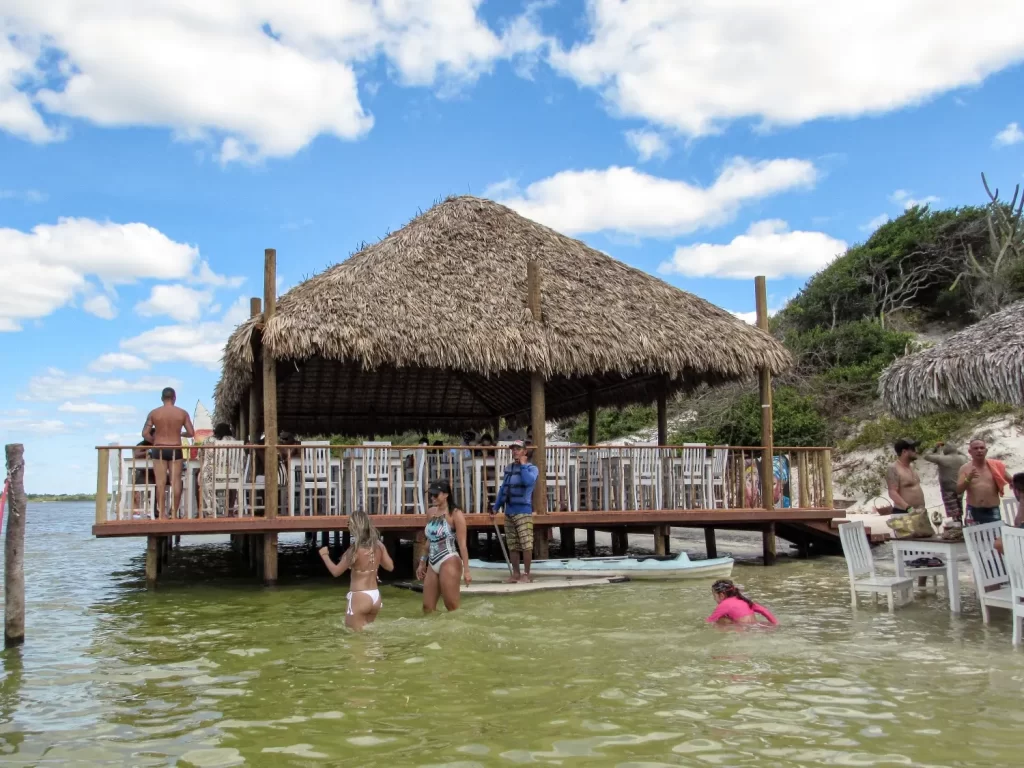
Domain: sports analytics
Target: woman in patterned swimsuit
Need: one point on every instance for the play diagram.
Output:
(447, 560)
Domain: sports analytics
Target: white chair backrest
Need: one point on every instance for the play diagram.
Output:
(989, 569)
(316, 460)
(557, 460)
(693, 459)
(1010, 509)
(856, 549)
(645, 461)
(227, 461)
(1013, 549)
(719, 460)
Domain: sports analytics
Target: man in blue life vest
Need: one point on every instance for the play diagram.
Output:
(516, 497)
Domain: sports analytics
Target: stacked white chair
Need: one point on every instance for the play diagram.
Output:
(1013, 549)
(990, 579)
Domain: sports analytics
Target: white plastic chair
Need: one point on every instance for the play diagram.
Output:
(924, 572)
(988, 567)
(375, 464)
(558, 474)
(1013, 553)
(315, 488)
(719, 466)
(136, 498)
(693, 477)
(646, 466)
(859, 562)
(228, 474)
(413, 489)
(1010, 509)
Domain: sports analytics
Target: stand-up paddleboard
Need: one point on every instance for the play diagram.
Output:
(501, 588)
(653, 568)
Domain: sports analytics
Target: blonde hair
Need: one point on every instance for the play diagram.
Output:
(364, 535)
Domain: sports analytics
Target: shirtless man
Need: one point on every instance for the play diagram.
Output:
(902, 480)
(984, 480)
(164, 427)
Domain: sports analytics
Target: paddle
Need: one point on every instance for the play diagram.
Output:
(501, 543)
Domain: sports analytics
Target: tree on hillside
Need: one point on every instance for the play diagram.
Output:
(995, 275)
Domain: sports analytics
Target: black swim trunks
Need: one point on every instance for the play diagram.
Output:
(165, 454)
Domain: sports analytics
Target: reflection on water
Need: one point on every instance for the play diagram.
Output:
(227, 673)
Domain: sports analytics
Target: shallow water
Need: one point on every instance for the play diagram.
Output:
(227, 673)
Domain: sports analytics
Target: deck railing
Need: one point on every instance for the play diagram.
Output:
(226, 480)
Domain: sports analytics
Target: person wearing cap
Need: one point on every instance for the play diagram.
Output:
(447, 556)
(984, 480)
(902, 480)
(515, 497)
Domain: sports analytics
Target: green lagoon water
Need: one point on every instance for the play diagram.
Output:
(212, 670)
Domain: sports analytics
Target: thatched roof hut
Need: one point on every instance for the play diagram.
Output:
(984, 362)
(429, 328)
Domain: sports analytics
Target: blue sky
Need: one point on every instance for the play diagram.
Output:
(148, 157)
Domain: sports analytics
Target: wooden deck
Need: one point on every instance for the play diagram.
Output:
(754, 519)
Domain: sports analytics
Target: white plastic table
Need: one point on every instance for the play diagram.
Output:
(950, 551)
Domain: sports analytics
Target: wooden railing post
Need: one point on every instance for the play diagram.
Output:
(826, 477)
(102, 488)
(14, 548)
(270, 457)
(767, 433)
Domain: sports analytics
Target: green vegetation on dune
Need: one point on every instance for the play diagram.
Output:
(924, 269)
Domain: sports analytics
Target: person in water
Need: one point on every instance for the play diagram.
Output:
(446, 560)
(366, 554)
(734, 607)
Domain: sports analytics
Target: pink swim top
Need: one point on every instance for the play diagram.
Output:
(734, 608)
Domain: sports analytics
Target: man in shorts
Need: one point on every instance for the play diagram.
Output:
(164, 428)
(948, 460)
(515, 496)
(902, 480)
(983, 479)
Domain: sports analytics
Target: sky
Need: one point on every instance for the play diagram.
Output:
(149, 152)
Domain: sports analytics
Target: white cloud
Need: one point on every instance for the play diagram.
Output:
(693, 66)
(55, 384)
(875, 223)
(1011, 134)
(768, 248)
(48, 266)
(26, 196)
(199, 343)
(101, 306)
(627, 200)
(750, 318)
(24, 428)
(647, 145)
(176, 301)
(905, 199)
(117, 361)
(261, 78)
(105, 408)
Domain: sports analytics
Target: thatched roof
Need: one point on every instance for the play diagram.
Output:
(984, 362)
(430, 328)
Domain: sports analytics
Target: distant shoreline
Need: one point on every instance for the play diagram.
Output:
(48, 497)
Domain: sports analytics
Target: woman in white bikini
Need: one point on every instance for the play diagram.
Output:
(447, 560)
(366, 554)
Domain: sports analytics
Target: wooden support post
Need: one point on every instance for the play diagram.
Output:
(255, 408)
(803, 546)
(826, 477)
(270, 458)
(337, 539)
(767, 436)
(269, 559)
(568, 536)
(666, 467)
(14, 546)
(537, 413)
(325, 538)
(659, 540)
(620, 541)
(668, 539)
(710, 545)
(346, 540)
(768, 543)
(102, 478)
(591, 418)
(591, 542)
(152, 560)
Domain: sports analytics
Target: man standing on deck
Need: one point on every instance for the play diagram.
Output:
(948, 460)
(902, 480)
(164, 428)
(984, 480)
(516, 497)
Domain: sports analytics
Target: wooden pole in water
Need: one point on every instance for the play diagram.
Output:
(767, 432)
(270, 418)
(102, 478)
(540, 491)
(14, 548)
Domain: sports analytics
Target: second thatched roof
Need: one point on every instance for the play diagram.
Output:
(984, 362)
(449, 292)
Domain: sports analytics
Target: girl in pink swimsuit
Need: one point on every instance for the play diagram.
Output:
(734, 607)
